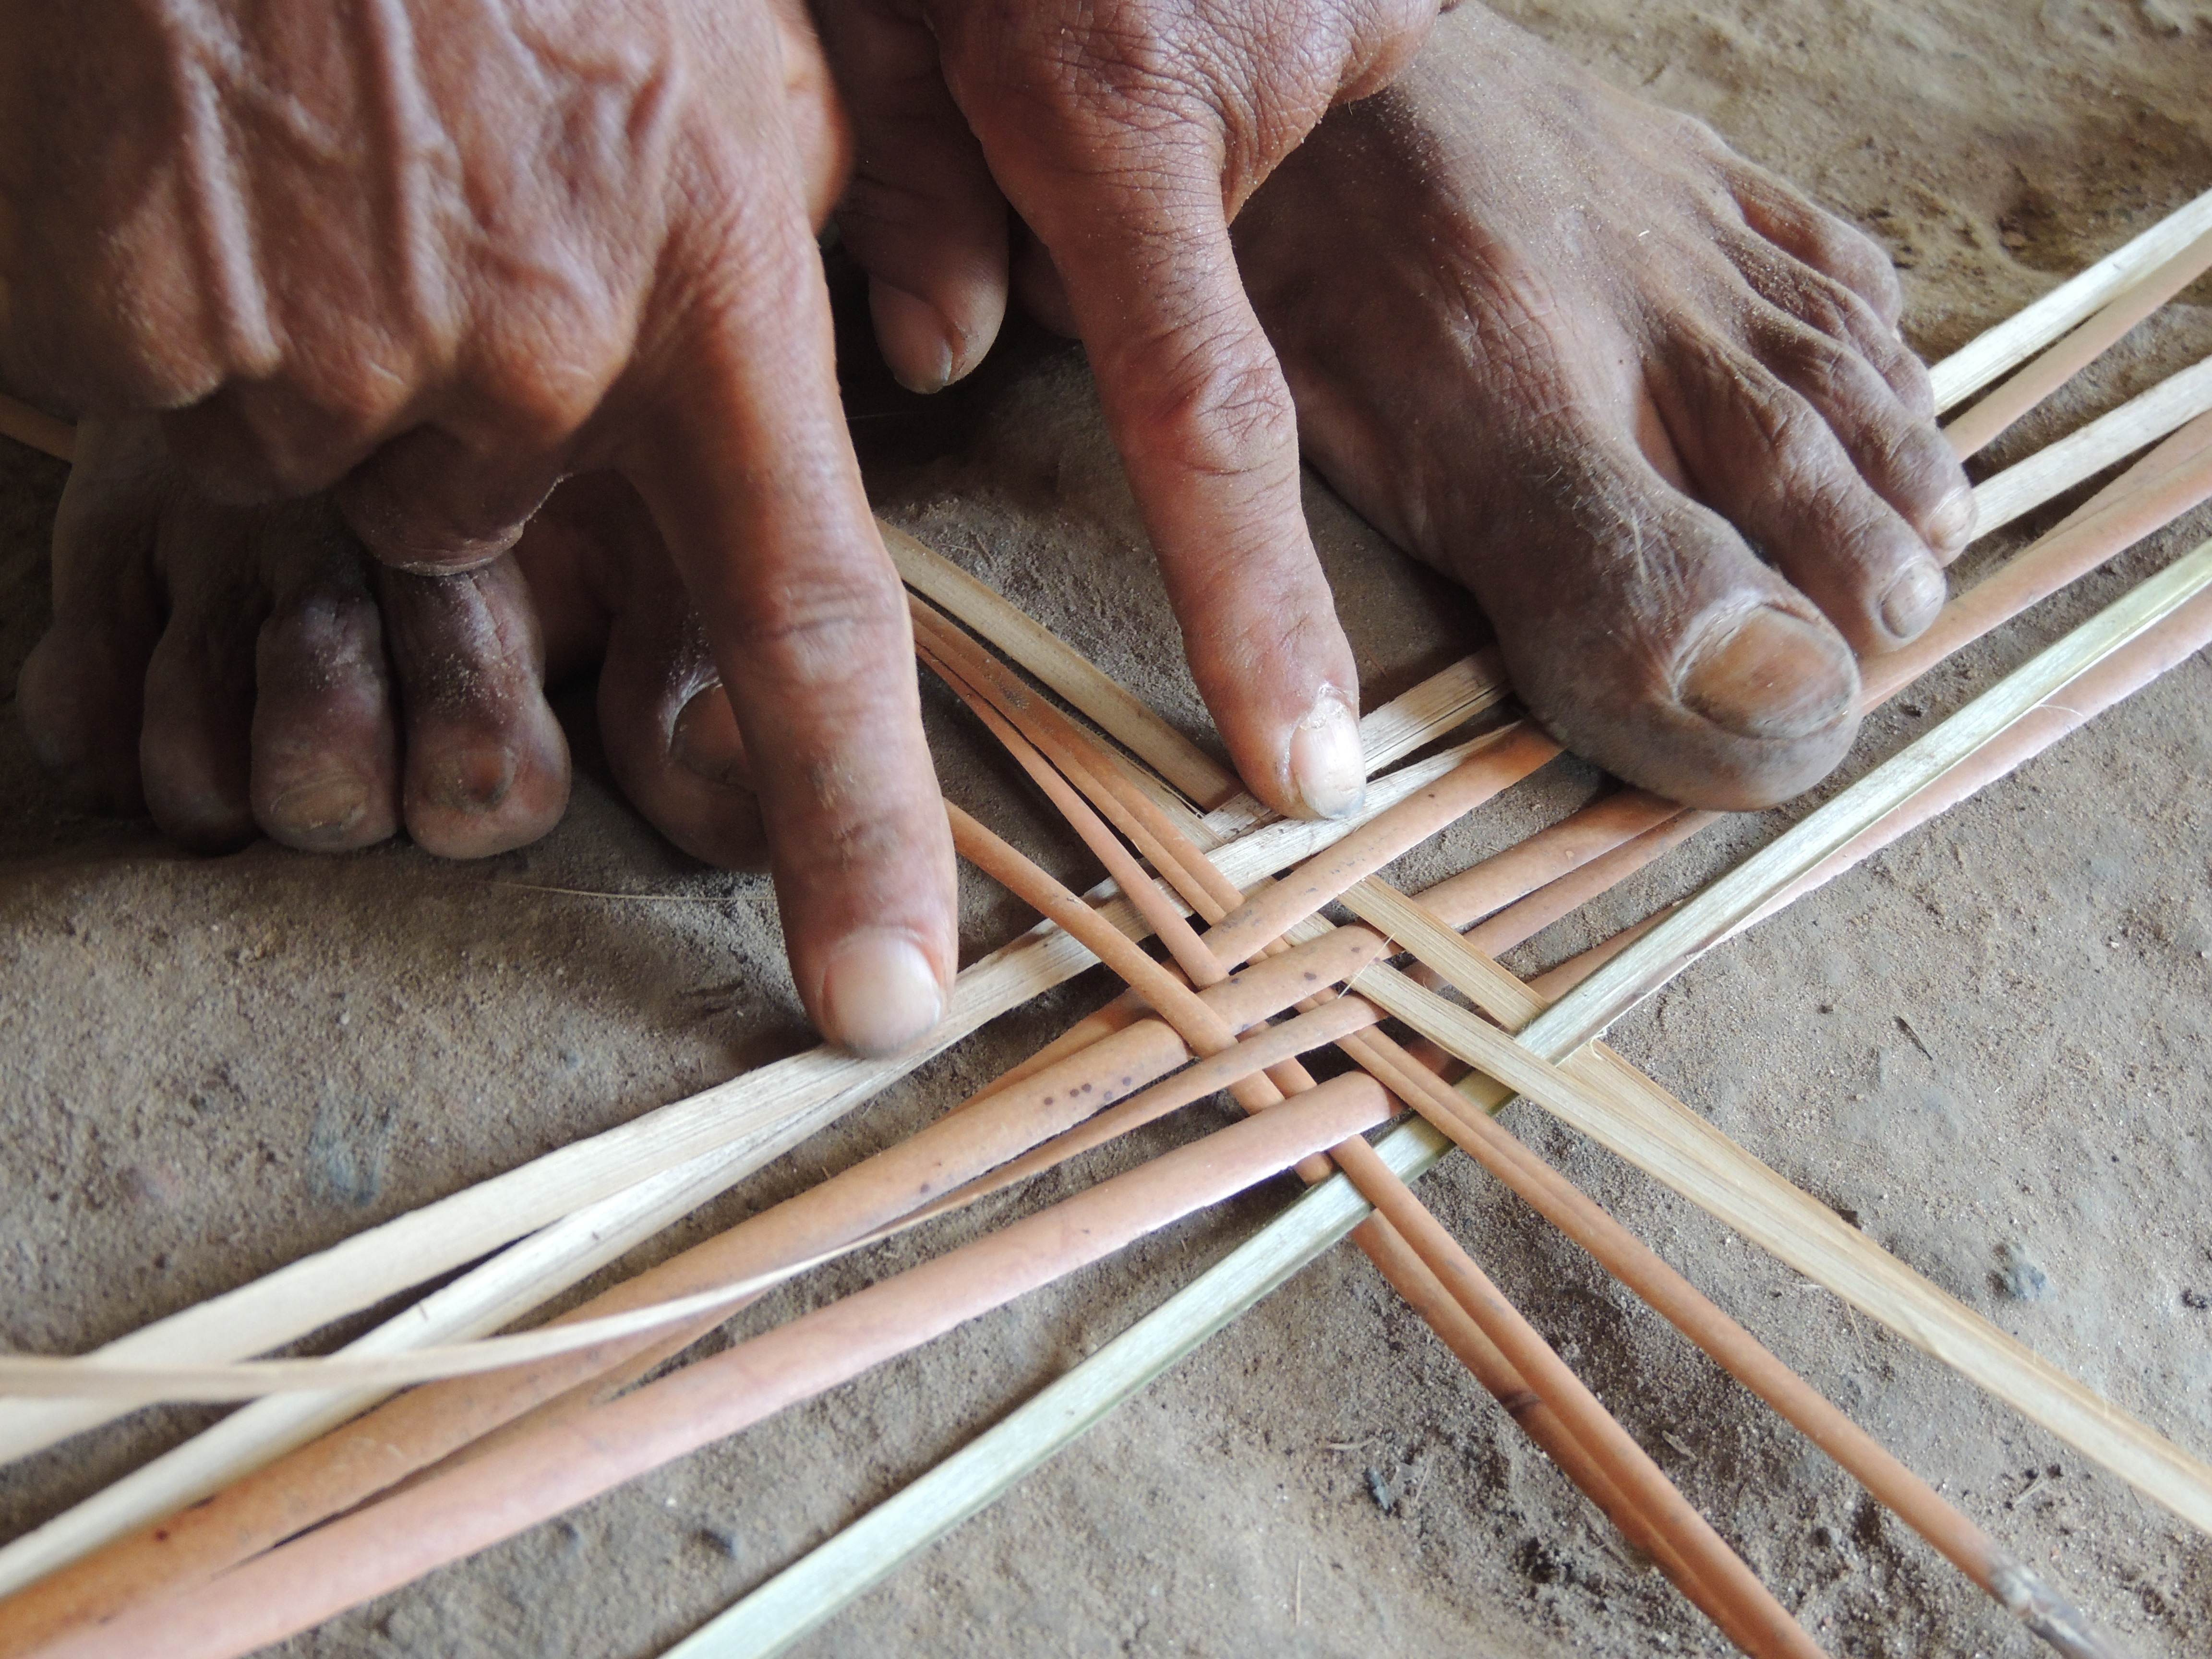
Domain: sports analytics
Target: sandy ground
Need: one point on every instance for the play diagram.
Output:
(1988, 1046)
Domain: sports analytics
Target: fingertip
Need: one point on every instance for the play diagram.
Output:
(880, 992)
(1327, 763)
(914, 337)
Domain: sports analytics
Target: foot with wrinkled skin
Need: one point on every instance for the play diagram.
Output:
(241, 670)
(1643, 399)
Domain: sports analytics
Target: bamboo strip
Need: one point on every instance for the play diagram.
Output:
(474, 1505)
(2141, 420)
(1589, 832)
(1126, 717)
(1980, 425)
(2019, 336)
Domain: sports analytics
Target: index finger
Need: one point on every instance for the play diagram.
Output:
(742, 455)
(1202, 417)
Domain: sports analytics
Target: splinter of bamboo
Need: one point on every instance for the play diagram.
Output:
(2019, 336)
(1980, 425)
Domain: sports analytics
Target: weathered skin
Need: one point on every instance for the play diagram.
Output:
(1573, 351)
(436, 258)
(1562, 344)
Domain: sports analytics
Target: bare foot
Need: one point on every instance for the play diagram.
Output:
(242, 670)
(1647, 402)
(231, 669)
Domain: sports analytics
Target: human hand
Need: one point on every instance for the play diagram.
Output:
(437, 256)
(1126, 135)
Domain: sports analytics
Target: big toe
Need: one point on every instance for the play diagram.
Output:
(1663, 649)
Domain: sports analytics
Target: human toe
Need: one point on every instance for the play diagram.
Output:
(1855, 501)
(325, 742)
(194, 747)
(486, 766)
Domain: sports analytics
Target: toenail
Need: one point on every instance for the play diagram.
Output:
(1951, 525)
(1329, 766)
(879, 992)
(1913, 599)
(1771, 675)
(319, 808)
(471, 780)
(707, 741)
(915, 339)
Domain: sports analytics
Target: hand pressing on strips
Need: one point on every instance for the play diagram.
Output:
(1126, 135)
(432, 260)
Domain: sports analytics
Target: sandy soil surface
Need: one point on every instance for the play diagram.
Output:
(1988, 1045)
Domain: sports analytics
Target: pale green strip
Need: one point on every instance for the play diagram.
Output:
(811, 1590)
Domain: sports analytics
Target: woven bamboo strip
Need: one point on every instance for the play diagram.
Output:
(814, 1588)
(2013, 342)
(1444, 951)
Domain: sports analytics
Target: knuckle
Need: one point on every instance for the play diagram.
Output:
(1221, 409)
(824, 633)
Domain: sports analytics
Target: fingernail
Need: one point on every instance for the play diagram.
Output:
(1329, 767)
(916, 340)
(474, 778)
(707, 740)
(317, 808)
(879, 994)
(1771, 675)
(1913, 599)
(1951, 525)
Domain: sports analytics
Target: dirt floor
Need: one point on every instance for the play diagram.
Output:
(1988, 1045)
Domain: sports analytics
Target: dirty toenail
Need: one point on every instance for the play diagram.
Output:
(915, 338)
(1771, 676)
(475, 779)
(1951, 525)
(1329, 767)
(321, 807)
(879, 992)
(1913, 599)
(707, 741)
